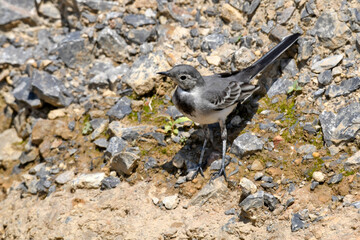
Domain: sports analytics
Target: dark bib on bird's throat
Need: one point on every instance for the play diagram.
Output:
(185, 104)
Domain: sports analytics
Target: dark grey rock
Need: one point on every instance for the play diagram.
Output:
(23, 93)
(346, 87)
(267, 179)
(138, 20)
(325, 77)
(50, 89)
(109, 182)
(358, 42)
(139, 36)
(289, 202)
(353, 162)
(130, 134)
(115, 146)
(15, 56)
(330, 31)
(356, 205)
(99, 81)
(319, 92)
(341, 127)
(285, 15)
(12, 10)
(212, 41)
(306, 47)
(279, 32)
(150, 163)
(246, 144)
(335, 179)
(305, 149)
(124, 162)
(253, 6)
(288, 66)
(173, 112)
(281, 86)
(268, 27)
(72, 50)
(267, 185)
(313, 185)
(90, 17)
(270, 201)
(310, 129)
(101, 143)
(297, 222)
(308, 10)
(194, 32)
(100, 5)
(71, 125)
(121, 109)
(159, 137)
(113, 45)
(303, 79)
(255, 200)
(231, 211)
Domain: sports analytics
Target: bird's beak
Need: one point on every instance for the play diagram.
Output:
(164, 73)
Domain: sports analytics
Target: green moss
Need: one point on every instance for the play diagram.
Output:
(86, 129)
(317, 165)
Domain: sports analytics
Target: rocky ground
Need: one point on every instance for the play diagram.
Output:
(92, 148)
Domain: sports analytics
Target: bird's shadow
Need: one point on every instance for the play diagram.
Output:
(188, 156)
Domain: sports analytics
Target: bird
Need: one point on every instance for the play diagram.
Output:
(210, 99)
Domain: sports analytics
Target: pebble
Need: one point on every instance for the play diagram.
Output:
(88, 181)
(318, 176)
(171, 202)
(64, 177)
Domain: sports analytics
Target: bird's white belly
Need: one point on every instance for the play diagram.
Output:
(211, 116)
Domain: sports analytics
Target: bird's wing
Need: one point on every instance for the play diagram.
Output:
(233, 93)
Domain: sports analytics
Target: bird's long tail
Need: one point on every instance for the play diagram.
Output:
(268, 58)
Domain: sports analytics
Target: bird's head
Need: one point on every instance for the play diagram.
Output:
(185, 76)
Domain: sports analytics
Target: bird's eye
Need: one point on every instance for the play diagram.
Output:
(182, 77)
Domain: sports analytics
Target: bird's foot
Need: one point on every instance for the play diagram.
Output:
(219, 173)
(198, 169)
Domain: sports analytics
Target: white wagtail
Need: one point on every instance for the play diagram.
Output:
(210, 99)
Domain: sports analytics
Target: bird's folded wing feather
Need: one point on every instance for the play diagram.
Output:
(233, 93)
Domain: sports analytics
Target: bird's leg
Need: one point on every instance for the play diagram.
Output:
(223, 138)
(199, 166)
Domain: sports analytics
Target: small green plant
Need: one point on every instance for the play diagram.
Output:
(295, 88)
(87, 129)
(171, 125)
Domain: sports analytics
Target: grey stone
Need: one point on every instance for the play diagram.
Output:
(306, 48)
(109, 182)
(159, 137)
(267, 179)
(113, 45)
(243, 57)
(211, 190)
(15, 56)
(99, 127)
(12, 10)
(358, 42)
(319, 93)
(281, 86)
(346, 87)
(212, 41)
(268, 27)
(139, 36)
(303, 79)
(100, 5)
(341, 127)
(288, 66)
(29, 156)
(356, 205)
(138, 20)
(270, 201)
(326, 63)
(99, 81)
(23, 93)
(353, 162)
(73, 51)
(308, 10)
(173, 112)
(330, 31)
(313, 185)
(306, 149)
(121, 109)
(325, 77)
(101, 143)
(335, 179)
(64, 177)
(231, 211)
(258, 176)
(124, 162)
(142, 75)
(150, 163)
(246, 144)
(116, 145)
(297, 222)
(146, 48)
(279, 32)
(267, 185)
(255, 200)
(285, 15)
(51, 90)
(253, 6)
